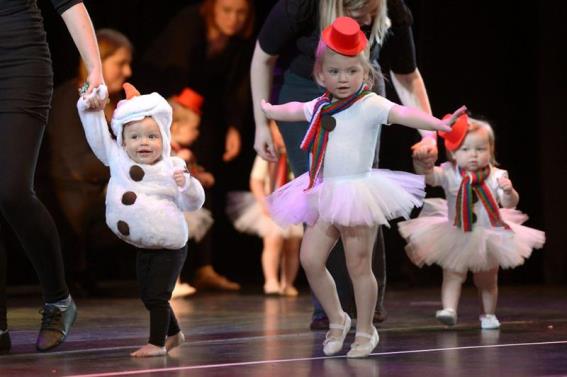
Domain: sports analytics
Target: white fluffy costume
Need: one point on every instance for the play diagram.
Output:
(144, 205)
(432, 237)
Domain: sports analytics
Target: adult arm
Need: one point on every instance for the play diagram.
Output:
(406, 77)
(261, 77)
(80, 27)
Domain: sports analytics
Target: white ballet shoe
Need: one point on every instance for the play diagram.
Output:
(489, 322)
(358, 350)
(447, 316)
(334, 344)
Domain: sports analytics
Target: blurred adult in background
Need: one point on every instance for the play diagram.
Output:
(208, 48)
(77, 178)
(26, 84)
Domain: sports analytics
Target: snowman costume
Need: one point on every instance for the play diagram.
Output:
(144, 205)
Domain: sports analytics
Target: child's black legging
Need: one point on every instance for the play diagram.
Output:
(21, 210)
(157, 271)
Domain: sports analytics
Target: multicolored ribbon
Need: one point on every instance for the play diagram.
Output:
(475, 183)
(317, 135)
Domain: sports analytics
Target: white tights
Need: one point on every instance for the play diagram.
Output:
(358, 242)
(485, 281)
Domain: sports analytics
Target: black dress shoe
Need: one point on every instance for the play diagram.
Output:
(380, 316)
(55, 325)
(319, 323)
(5, 342)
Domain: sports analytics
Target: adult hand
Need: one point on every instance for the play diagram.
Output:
(232, 145)
(96, 100)
(263, 143)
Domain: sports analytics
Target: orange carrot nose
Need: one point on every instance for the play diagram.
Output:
(130, 90)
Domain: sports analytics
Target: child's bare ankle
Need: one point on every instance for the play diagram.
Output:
(174, 341)
(149, 350)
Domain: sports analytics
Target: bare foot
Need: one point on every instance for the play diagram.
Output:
(149, 350)
(174, 341)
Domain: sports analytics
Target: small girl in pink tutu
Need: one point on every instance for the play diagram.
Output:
(341, 195)
(468, 231)
(249, 213)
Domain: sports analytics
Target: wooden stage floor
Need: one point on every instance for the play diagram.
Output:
(250, 335)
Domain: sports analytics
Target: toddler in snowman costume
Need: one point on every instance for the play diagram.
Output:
(147, 194)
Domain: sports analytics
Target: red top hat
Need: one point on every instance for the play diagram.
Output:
(455, 137)
(190, 99)
(345, 37)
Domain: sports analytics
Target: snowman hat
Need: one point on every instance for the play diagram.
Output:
(345, 37)
(136, 107)
(190, 99)
(454, 138)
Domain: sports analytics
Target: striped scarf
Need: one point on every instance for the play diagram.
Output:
(321, 124)
(473, 183)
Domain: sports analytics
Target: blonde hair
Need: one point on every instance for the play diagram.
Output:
(370, 72)
(476, 125)
(329, 10)
(109, 41)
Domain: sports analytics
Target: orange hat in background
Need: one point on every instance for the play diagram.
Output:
(190, 99)
(345, 37)
(455, 137)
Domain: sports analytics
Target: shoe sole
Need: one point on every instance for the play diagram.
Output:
(446, 320)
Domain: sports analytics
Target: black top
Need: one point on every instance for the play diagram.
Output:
(26, 75)
(179, 58)
(291, 30)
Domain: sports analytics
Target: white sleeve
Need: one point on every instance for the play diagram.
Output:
(499, 192)
(96, 131)
(441, 174)
(377, 108)
(191, 196)
(308, 108)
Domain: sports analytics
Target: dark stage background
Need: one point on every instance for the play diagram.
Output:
(507, 62)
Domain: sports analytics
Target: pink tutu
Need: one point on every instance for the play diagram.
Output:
(433, 239)
(247, 217)
(366, 199)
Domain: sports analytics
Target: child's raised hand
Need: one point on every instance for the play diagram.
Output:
(505, 184)
(179, 177)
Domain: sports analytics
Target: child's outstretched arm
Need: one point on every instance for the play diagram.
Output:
(509, 197)
(94, 124)
(288, 112)
(414, 118)
(423, 166)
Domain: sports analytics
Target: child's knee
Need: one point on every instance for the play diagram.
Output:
(310, 262)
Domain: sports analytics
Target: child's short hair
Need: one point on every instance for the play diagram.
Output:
(370, 71)
(476, 125)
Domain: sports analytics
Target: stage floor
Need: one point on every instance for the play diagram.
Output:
(250, 335)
